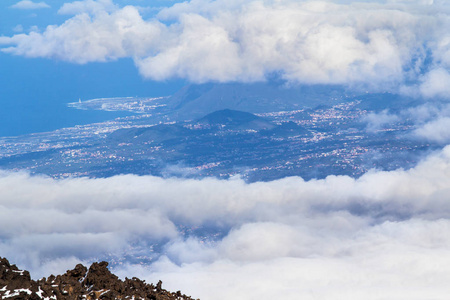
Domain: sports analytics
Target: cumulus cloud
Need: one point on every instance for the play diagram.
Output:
(436, 84)
(88, 6)
(381, 236)
(376, 121)
(430, 121)
(435, 131)
(84, 39)
(376, 45)
(27, 4)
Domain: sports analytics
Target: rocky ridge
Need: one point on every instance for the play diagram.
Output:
(97, 282)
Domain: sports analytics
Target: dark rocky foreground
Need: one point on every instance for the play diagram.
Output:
(97, 282)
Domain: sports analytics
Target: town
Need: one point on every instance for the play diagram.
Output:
(308, 142)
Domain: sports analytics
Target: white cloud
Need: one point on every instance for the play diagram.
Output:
(384, 235)
(377, 45)
(376, 121)
(82, 39)
(18, 28)
(399, 272)
(87, 6)
(27, 4)
(436, 84)
(435, 131)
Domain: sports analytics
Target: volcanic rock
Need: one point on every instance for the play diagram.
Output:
(97, 282)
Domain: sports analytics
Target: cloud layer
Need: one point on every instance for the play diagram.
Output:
(384, 235)
(388, 45)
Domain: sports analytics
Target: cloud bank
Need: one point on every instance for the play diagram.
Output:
(387, 45)
(382, 236)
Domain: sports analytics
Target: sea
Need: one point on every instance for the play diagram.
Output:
(34, 92)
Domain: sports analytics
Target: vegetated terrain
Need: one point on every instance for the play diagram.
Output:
(249, 135)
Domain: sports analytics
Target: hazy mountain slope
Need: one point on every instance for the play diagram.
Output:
(234, 119)
(195, 101)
